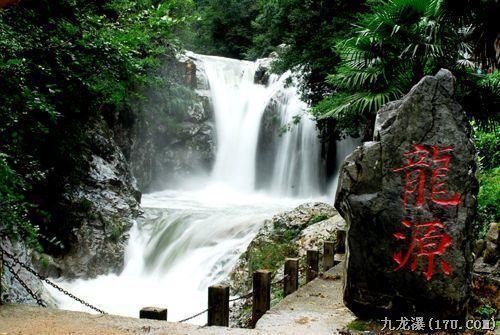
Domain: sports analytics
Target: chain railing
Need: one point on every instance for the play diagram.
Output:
(23, 265)
(245, 296)
(303, 268)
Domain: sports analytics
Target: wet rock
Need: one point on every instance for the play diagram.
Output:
(267, 144)
(314, 235)
(485, 287)
(263, 71)
(386, 226)
(490, 253)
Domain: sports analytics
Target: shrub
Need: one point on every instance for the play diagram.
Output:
(488, 199)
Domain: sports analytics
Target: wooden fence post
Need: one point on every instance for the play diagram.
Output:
(312, 265)
(341, 237)
(328, 255)
(153, 313)
(261, 294)
(218, 305)
(291, 273)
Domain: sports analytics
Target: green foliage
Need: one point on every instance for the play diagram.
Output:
(13, 208)
(277, 294)
(393, 46)
(268, 256)
(225, 27)
(479, 95)
(488, 147)
(307, 31)
(372, 71)
(485, 311)
(65, 64)
(317, 218)
(489, 196)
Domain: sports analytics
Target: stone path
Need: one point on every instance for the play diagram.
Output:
(315, 309)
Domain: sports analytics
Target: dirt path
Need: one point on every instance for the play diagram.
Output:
(29, 320)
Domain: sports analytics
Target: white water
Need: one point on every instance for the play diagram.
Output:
(239, 105)
(189, 240)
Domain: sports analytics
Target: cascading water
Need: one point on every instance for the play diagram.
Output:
(239, 106)
(188, 240)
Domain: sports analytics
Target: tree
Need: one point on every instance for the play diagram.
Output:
(306, 31)
(65, 65)
(394, 45)
(224, 27)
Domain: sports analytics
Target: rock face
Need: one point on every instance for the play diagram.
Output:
(409, 200)
(174, 135)
(105, 203)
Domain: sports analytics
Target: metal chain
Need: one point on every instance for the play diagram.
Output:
(246, 296)
(60, 289)
(192, 317)
(38, 300)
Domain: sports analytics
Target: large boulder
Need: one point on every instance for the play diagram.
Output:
(409, 200)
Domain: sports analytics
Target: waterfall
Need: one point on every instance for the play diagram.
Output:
(239, 107)
(189, 239)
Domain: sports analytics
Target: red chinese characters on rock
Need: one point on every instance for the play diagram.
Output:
(427, 239)
(419, 161)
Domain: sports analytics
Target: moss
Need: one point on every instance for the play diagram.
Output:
(485, 311)
(44, 262)
(276, 294)
(357, 325)
(116, 233)
(317, 218)
(114, 229)
(269, 256)
(364, 325)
